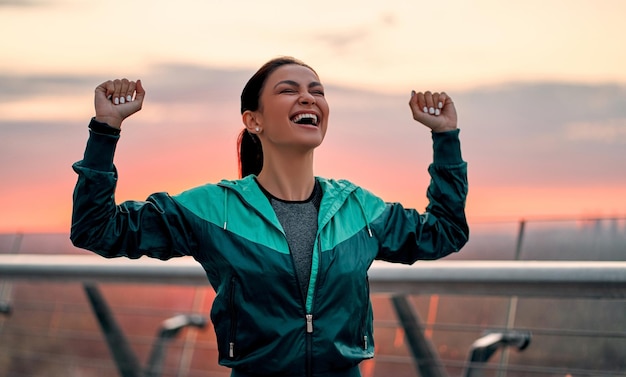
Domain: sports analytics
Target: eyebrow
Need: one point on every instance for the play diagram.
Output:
(293, 83)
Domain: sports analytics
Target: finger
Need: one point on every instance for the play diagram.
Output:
(428, 97)
(447, 104)
(436, 103)
(421, 102)
(448, 100)
(131, 91)
(106, 89)
(443, 97)
(125, 84)
(115, 94)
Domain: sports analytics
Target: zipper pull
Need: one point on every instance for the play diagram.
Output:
(365, 342)
(309, 323)
(231, 349)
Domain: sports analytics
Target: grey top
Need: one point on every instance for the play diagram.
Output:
(299, 220)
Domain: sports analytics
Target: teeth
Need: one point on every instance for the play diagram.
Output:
(299, 117)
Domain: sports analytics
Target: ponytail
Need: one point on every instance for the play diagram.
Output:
(250, 154)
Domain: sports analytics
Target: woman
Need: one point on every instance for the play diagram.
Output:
(287, 252)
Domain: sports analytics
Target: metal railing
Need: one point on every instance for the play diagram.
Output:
(540, 279)
(574, 279)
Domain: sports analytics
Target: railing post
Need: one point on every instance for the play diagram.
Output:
(125, 359)
(513, 300)
(425, 357)
(168, 331)
(520, 238)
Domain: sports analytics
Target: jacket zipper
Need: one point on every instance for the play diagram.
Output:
(233, 323)
(309, 313)
(366, 315)
(308, 319)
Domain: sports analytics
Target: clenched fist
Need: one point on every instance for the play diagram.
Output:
(116, 100)
(434, 110)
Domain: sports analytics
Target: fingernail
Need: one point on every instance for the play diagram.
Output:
(440, 105)
(122, 100)
(116, 101)
(412, 93)
(425, 109)
(129, 98)
(431, 110)
(437, 111)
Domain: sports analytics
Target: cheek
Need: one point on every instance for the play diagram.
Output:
(269, 115)
(324, 106)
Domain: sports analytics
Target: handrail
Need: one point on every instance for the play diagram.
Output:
(556, 279)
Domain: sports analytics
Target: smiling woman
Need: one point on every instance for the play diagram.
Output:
(284, 111)
(287, 252)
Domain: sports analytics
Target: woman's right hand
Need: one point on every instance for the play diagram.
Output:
(116, 100)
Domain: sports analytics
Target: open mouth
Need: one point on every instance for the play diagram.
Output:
(305, 118)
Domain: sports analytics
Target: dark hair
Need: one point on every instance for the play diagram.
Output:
(249, 145)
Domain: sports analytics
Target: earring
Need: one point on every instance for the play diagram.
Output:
(258, 129)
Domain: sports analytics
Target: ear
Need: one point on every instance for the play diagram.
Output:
(250, 120)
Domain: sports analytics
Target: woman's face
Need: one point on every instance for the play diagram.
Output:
(293, 111)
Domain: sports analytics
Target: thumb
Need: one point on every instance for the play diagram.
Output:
(140, 92)
(101, 92)
(413, 102)
(416, 108)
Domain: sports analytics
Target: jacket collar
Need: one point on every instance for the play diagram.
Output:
(335, 193)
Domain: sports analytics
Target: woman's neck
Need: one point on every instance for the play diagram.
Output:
(288, 176)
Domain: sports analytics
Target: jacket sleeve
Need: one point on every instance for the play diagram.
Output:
(156, 227)
(405, 235)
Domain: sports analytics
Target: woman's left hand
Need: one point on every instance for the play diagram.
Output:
(434, 110)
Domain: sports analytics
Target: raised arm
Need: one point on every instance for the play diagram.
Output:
(407, 235)
(156, 227)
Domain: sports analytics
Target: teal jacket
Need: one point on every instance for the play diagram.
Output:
(264, 325)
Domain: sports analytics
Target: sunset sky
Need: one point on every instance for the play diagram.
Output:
(540, 87)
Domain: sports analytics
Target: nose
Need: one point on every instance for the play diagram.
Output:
(307, 98)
